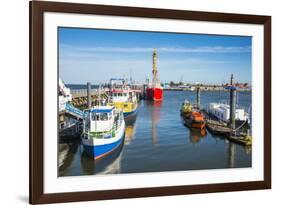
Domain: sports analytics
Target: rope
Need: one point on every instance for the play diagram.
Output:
(240, 126)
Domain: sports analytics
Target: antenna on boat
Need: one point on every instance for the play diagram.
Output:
(181, 79)
(131, 80)
(99, 96)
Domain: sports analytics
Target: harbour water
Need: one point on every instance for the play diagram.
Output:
(157, 140)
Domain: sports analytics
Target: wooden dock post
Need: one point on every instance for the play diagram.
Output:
(198, 93)
(89, 94)
(232, 104)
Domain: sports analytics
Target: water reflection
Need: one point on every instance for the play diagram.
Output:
(87, 164)
(155, 116)
(67, 152)
(91, 167)
(111, 164)
(197, 135)
(107, 165)
(114, 167)
(248, 150)
(129, 134)
(130, 129)
(231, 155)
(157, 140)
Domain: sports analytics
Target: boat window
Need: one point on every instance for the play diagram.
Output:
(119, 94)
(94, 116)
(109, 116)
(99, 117)
(103, 116)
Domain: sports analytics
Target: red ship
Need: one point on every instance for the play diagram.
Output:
(154, 91)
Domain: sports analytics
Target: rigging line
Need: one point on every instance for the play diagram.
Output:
(240, 126)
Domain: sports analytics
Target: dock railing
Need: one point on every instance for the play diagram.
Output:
(83, 92)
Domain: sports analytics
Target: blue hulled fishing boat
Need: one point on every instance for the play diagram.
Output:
(104, 131)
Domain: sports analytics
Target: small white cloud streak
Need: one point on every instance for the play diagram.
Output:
(202, 49)
(187, 61)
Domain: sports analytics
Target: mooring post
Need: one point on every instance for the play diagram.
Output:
(232, 104)
(232, 107)
(89, 94)
(198, 97)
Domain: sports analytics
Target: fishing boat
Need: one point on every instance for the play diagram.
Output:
(103, 130)
(123, 97)
(154, 90)
(192, 116)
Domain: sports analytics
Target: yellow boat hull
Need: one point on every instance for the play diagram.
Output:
(128, 108)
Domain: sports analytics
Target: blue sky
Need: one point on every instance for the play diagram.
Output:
(90, 55)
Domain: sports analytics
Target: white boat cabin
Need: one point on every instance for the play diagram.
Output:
(222, 112)
(120, 96)
(121, 92)
(123, 96)
(101, 119)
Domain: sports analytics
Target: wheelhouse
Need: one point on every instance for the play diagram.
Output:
(120, 96)
(100, 119)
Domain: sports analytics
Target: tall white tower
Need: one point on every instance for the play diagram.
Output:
(155, 81)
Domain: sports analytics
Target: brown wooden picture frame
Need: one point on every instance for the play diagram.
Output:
(37, 9)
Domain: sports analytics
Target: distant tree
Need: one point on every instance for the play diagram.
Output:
(172, 83)
(180, 83)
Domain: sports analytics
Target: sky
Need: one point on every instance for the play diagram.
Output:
(91, 55)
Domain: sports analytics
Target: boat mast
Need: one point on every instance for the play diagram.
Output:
(99, 96)
(131, 79)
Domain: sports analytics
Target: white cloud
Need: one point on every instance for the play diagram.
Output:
(202, 49)
(139, 63)
(98, 64)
